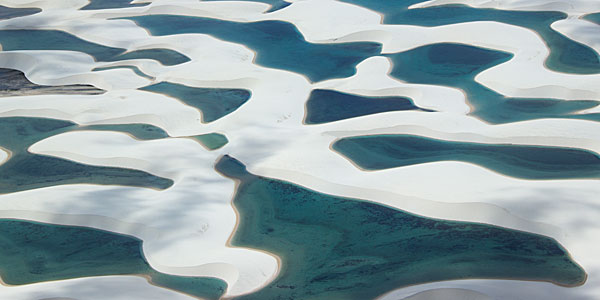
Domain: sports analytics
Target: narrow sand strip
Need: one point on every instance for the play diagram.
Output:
(92, 288)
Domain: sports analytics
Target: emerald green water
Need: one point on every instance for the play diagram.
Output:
(25, 170)
(566, 55)
(456, 65)
(212, 141)
(33, 252)
(29, 39)
(377, 152)
(328, 106)
(340, 248)
(214, 103)
(277, 44)
(9, 12)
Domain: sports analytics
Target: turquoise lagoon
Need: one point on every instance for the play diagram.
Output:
(212, 141)
(33, 252)
(328, 106)
(340, 248)
(213, 103)
(566, 55)
(25, 170)
(29, 39)
(456, 65)
(377, 152)
(9, 12)
(277, 44)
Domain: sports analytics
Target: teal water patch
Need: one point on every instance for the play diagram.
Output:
(135, 69)
(340, 248)
(33, 252)
(277, 44)
(377, 152)
(213, 103)
(25, 170)
(9, 12)
(212, 141)
(593, 18)
(456, 65)
(106, 4)
(566, 55)
(328, 106)
(30, 39)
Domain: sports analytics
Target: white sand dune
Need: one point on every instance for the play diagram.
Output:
(194, 218)
(449, 294)
(92, 288)
(571, 7)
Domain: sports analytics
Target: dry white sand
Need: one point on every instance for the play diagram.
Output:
(92, 288)
(194, 218)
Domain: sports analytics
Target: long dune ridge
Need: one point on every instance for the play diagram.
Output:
(285, 149)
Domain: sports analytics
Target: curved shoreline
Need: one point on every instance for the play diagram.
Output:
(265, 114)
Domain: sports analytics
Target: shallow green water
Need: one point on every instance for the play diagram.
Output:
(456, 65)
(566, 55)
(377, 152)
(30, 39)
(25, 170)
(33, 252)
(212, 141)
(214, 103)
(341, 248)
(277, 44)
(328, 106)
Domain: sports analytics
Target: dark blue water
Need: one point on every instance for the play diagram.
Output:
(25, 39)
(593, 18)
(135, 69)
(9, 12)
(328, 106)
(33, 252)
(341, 248)
(566, 55)
(456, 65)
(212, 141)
(275, 4)
(214, 103)
(104, 4)
(25, 170)
(14, 83)
(377, 152)
(277, 44)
